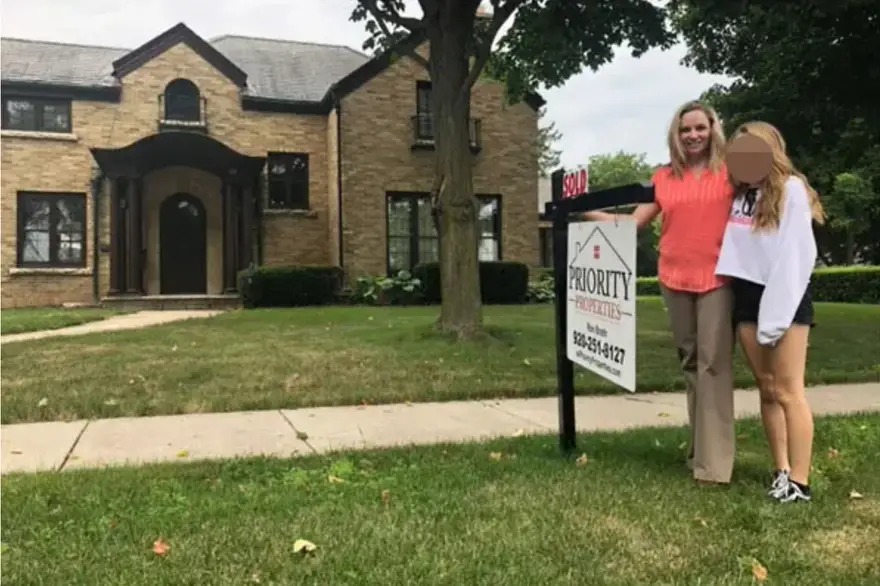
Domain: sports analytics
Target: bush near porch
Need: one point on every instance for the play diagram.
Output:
(336, 355)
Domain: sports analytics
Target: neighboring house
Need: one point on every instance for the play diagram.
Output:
(158, 173)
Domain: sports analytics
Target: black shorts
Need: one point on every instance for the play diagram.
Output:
(747, 301)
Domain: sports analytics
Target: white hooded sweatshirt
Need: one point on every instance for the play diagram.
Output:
(781, 259)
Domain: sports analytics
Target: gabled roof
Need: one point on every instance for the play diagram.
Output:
(179, 33)
(273, 74)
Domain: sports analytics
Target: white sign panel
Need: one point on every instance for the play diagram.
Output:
(601, 318)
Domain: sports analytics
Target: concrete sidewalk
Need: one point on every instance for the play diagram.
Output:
(31, 447)
(130, 321)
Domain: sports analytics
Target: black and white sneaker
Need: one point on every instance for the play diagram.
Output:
(795, 492)
(779, 484)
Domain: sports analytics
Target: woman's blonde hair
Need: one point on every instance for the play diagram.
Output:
(769, 207)
(677, 158)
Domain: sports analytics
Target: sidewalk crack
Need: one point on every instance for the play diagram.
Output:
(299, 433)
(73, 446)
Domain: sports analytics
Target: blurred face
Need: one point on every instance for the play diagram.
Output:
(694, 131)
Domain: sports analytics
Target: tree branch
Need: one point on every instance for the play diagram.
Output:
(411, 24)
(392, 16)
(499, 17)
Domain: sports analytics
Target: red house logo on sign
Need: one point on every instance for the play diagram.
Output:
(596, 254)
(575, 182)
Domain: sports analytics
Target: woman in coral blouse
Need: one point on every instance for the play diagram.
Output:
(694, 195)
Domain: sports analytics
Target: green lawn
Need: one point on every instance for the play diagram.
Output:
(267, 359)
(510, 512)
(18, 321)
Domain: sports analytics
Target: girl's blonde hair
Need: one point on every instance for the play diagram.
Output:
(677, 158)
(769, 207)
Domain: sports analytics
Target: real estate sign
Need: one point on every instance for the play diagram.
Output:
(601, 291)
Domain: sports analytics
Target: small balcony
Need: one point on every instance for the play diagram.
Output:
(423, 133)
(183, 114)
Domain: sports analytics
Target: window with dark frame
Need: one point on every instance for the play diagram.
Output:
(183, 102)
(36, 114)
(412, 236)
(425, 121)
(51, 230)
(288, 177)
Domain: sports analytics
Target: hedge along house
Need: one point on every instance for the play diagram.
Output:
(153, 176)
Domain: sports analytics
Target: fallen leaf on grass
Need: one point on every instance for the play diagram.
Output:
(183, 454)
(43, 402)
(519, 433)
(682, 445)
(111, 402)
(304, 546)
(174, 348)
(759, 571)
(386, 497)
(855, 495)
(581, 460)
(335, 480)
(160, 548)
(701, 521)
(526, 362)
(495, 456)
(833, 453)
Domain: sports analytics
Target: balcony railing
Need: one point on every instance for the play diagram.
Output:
(423, 132)
(184, 118)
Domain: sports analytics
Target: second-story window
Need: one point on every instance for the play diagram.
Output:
(182, 101)
(425, 122)
(288, 181)
(36, 114)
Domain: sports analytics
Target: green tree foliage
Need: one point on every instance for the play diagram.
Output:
(810, 68)
(547, 42)
(850, 209)
(548, 154)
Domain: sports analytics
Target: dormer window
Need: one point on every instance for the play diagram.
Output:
(182, 102)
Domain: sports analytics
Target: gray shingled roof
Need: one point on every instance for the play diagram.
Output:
(23, 60)
(289, 70)
(286, 70)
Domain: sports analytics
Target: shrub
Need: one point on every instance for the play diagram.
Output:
(402, 289)
(541, 290)
(859, 284)
(834, 284)
(501, 282)
(289, 286)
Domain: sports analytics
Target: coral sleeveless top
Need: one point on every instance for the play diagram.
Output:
(694, 216)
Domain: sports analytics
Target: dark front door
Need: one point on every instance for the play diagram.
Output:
(182, 245)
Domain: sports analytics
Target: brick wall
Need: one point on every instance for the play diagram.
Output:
(49, 162)
(377, 158)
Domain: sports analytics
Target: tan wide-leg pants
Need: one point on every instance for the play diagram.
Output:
(704, 336)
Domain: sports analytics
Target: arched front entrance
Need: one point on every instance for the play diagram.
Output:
(182, 245)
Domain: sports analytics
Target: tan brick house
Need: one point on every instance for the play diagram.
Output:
(158, 173)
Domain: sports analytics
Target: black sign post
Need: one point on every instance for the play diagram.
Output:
(560, 211)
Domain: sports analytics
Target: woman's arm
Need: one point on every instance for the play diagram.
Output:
(644, 214)
(792, 267)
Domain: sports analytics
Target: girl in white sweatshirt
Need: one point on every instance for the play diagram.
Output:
(769, 251)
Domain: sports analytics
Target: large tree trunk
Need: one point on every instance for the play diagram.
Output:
(460, 310)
